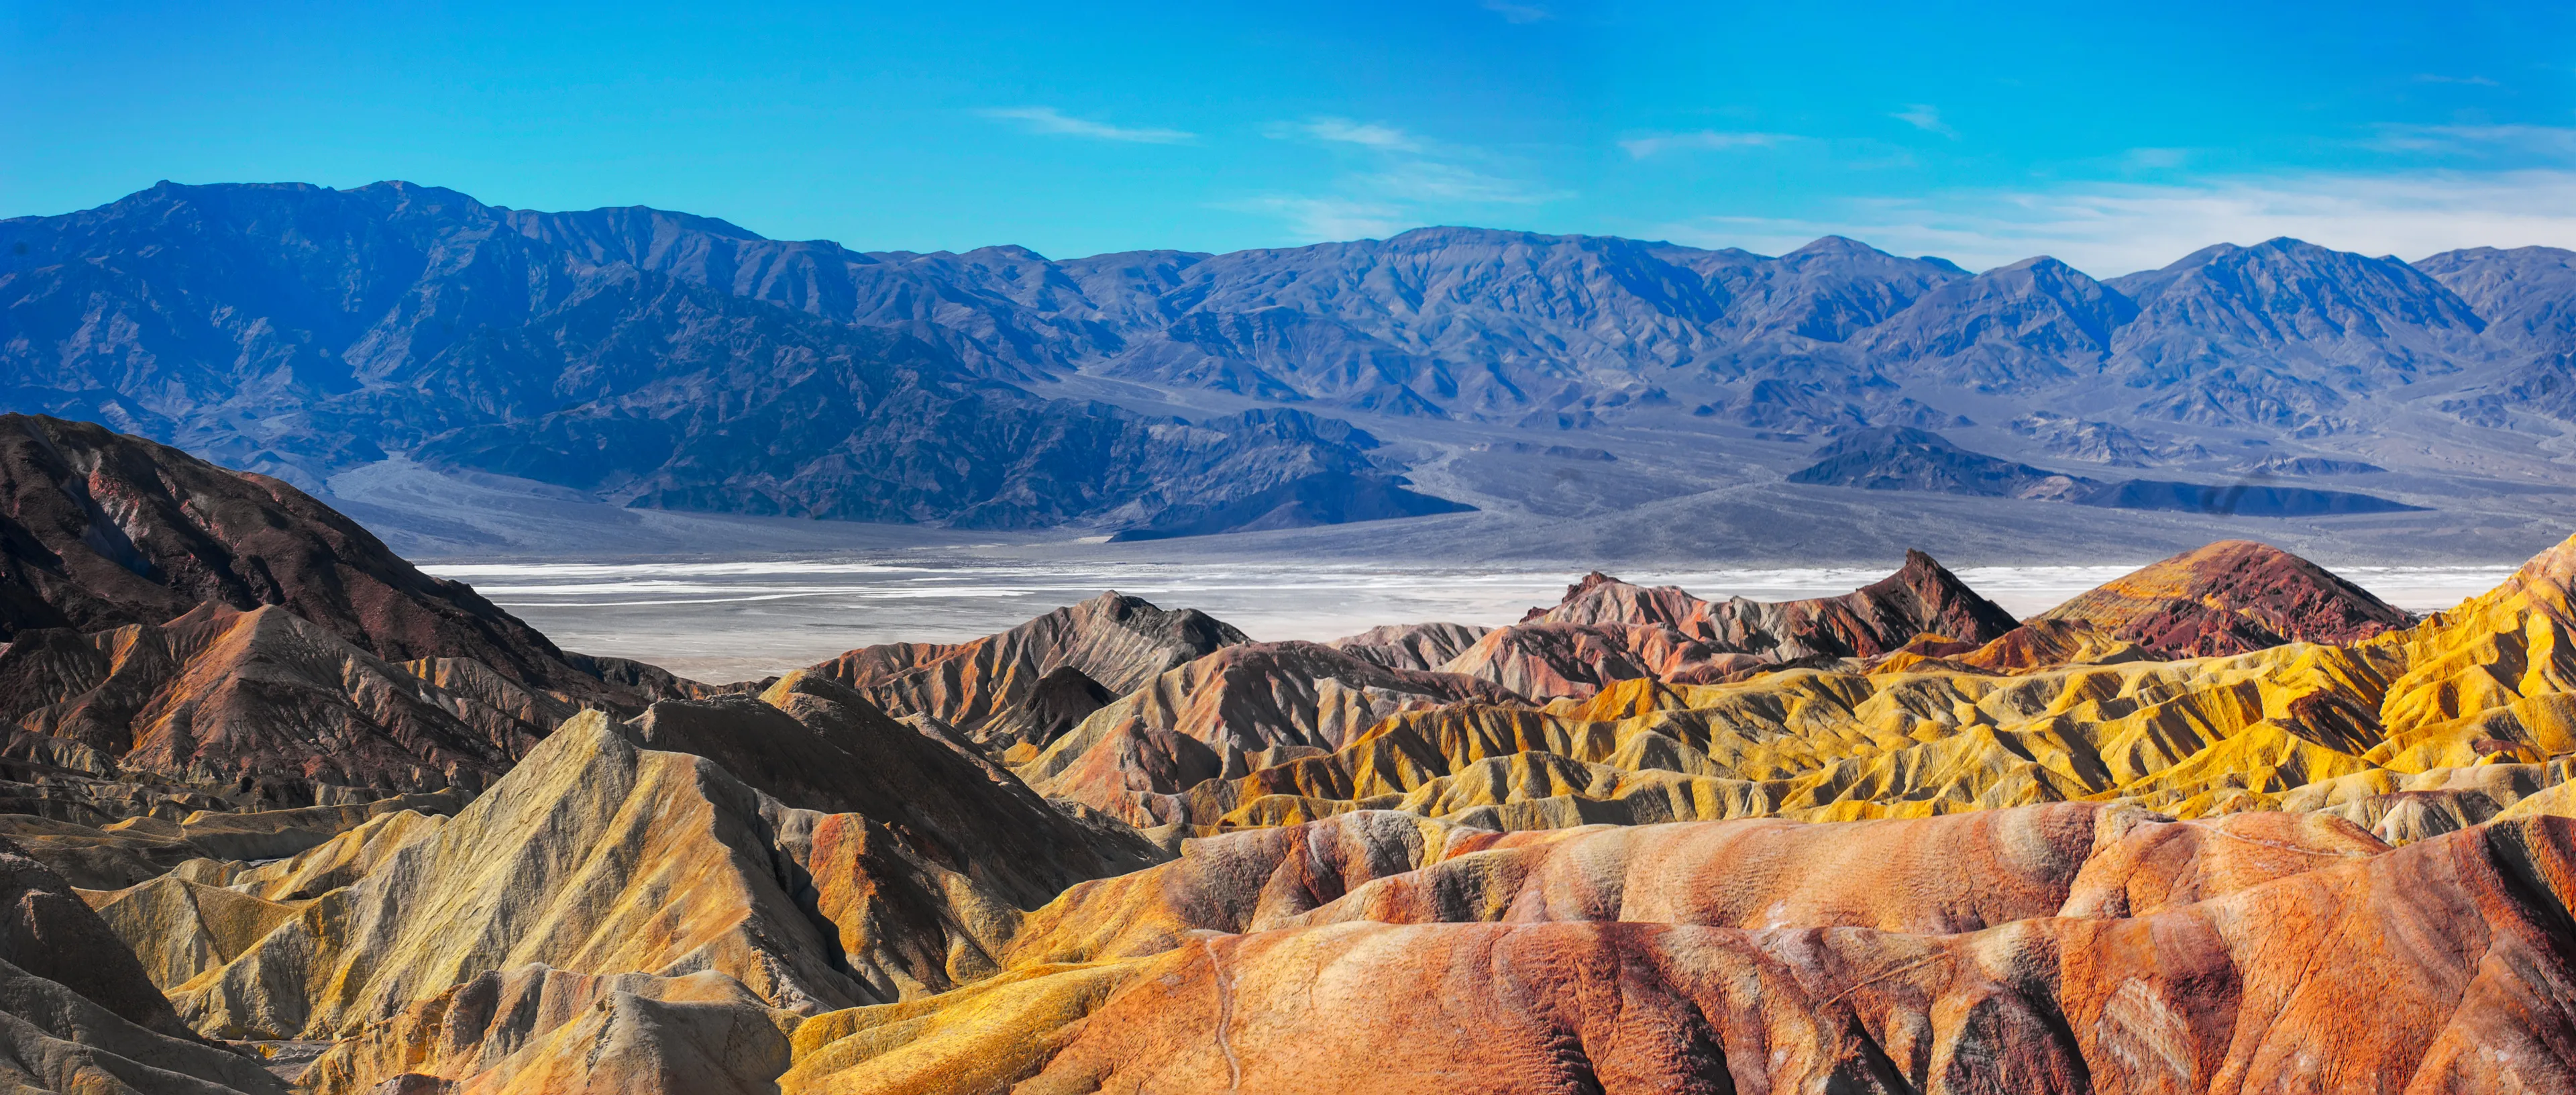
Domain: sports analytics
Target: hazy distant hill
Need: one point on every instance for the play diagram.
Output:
(298, 331)
(662, 359)
(1496, 323)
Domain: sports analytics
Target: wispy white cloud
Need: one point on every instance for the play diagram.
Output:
(1319, 219)
(1396, 180)
(2477, 140)
(1052, 122)
(1926, 118)
(1706, 139)
(2437, 78)
(2110, 229)
(1370, 134)
(1516, 12)
(1428, 181)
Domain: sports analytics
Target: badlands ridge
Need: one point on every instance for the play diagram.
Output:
(286, 814)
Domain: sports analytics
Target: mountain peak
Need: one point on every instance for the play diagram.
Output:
(2230, 597)
(1836, 245)
(2033, 263)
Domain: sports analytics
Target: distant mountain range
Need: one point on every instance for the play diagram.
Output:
(299, 331)
(661, 359)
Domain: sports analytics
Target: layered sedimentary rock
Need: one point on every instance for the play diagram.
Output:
(1916, 955)
(2046, 643)
(853, 859)
(118, 854)
(2228, 598)
(1411, 646)
(2458, 943)
(1244, 707)
(1118, 642)
(264, 705)
(1976, 857)
(104, 530)
(533, 1030)
(1921, 598)
(1606, 630)
(182, 637)
(77, 1012)
(1059, 702)
(2066, 713)
(1551, 660)
(1944, 874)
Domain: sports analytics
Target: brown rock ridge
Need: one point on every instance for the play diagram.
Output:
(1278, 929)
(1244, 707)
(1922, 597)
(1606, 630)
(1946, 874)
(1940, 875)
(2299, 726)
(1117, 641)
(1411, 646)
(102, 530)
(1061, 700)
(1973, 891)
(182, 637)
(2228, 598)
(265, 707)
(1550, 660)
(539, 1031)
(2040, 860)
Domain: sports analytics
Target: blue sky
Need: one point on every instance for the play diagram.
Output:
(2114, 136)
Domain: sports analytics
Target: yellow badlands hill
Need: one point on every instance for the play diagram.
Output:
(2025, 859)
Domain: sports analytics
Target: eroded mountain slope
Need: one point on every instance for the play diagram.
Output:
(1907, 844)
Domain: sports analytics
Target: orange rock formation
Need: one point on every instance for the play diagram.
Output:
(2224, 825)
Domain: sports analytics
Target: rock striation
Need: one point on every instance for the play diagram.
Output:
(182, 638)
(265, 706)
(1606, 630)
(1247, 706)
(1921, 598)
(104, 530)
(2229, 598)
(1411, 646)
(2161, 838)
(2191, 997)
(1116, 642)
(77, 1012)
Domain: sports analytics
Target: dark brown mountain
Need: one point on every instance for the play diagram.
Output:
(182, 636)
(103, 530)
